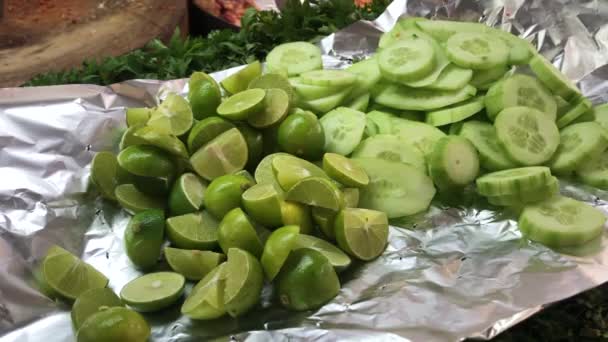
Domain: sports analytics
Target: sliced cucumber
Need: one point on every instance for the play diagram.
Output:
(294, 58)
(520, 90)
(520, 50)
(482, 78)
(594, 171)
(454, 163)
(477, 50)
(383, 121)
(407, 60)
(273, 80)
(402, 97)
(528, 136)
(311, 92)
(561, 221)
(580, 107)
(578, 143)
(442, 30)
(343, 129)
(452, 78)
(371, 128)
(391, 148)
(441, 61)
(455, 113)
(482, 135)
(399, 32)
(553, 78)
(325, 104)
(328, 78)
(601, 115)
(359, 103)
(395, 188)
(412, 115)
(418, 134)
(529, 196)
(513, 181)
(368, 74)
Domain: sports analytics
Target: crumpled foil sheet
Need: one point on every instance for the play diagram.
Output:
(448, 274)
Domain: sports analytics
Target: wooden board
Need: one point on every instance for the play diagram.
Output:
(42, 35)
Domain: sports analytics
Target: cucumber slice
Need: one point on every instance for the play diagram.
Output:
(528, 136)
(601, 115)
(294, 58)
(328, 78)
(390, 148)
(476, 50)
(407, 60)
(580, 107)
(526, 197)
(412, 115)
(400, 33)
(442, 30)
(455, 113)
(520, 50)
(578, 143)
(453, 163)
(403, 97)
(273, 80)
(452, 78)
(441, 61)
(482, 78)
(359, 103)
(482, 135)
(383, 121)
(343, 129)
(368, 74)
(520, 90)
(325, 104)
(594, 171)
(311, 92)
(561, 221)
(513, 181)
(553, 78)
(371, 128)
(418, 134)
(395, 188)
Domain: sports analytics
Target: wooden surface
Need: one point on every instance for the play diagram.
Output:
(42, 35)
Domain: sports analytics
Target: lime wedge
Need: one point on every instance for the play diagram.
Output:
(153, 186)
(351, 197)
(138, 116)
(206, 130)
(246, 174)
(69, 276)
(298, 214)
(240, 106)
(239, 81)
(134, 200)
(289, 170)
(244, 281)
(236, 230)
(362, 233)
(317, 192)
(204, 95)
(129, 139)
(90, 302)
(336, 257)
(144, 237)
(263, 203)
(187, 194)
(224, 194)
(144, 160)
(165, 142)
(153, 291)
(225, 154)
(114, 324)
(191, 263)
(103, 174)
(324, 218)
(274, 81)
(277, 248)
(276, 107)
(173, 116)
(265, 175)
(193, 231)
(206, 300)
(255, 143)
(344, 171)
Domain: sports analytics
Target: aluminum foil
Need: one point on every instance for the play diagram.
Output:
(451, 273)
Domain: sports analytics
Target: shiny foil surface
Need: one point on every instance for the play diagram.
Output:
(453, 272)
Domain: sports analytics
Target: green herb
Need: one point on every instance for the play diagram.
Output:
(261, 31)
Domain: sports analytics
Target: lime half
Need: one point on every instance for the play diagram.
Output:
(265, 175)
(69, 276)
(276, 107)
(206, 130)
(239, 81)
(236, 230)
(114, 324)
(206, 300)
(193, 231)
(244, 281)
(187, 194)
(336, 257)
(324, 218)
(166, 142)
(204, 95)
(317, 192)
(240, 106)
(277, 249)
(362, 233)
(173, 116)
(134, 200)
(138, 116)
(147, 161)
(144, 237)
(298, 214)
(225, 154)
(191, 263)
(289, 170)
(103, 174)
(263, 203)
(90, 302)
(344, 171)
(351, 197)
(153, 291)
(274, 81)
(129, 139)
